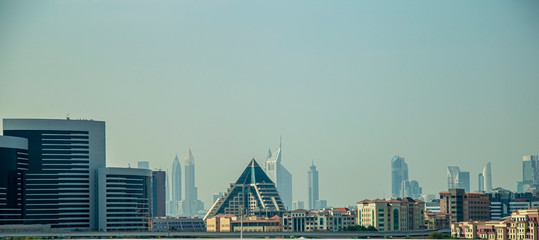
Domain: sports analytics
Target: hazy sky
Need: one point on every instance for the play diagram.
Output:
(348, 84)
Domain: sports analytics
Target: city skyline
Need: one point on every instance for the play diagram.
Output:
(347, 84)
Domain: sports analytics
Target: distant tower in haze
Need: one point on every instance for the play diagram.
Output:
(480, 183)
(487, 178)
(530, 173)
(313, 186)
(176, 186)
(399, 173)
(280, 176)
(452, 179)
(458, 179)
(191, 205)
(143, 164)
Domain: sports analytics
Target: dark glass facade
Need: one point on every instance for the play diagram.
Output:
(57, 183)
(13, 164)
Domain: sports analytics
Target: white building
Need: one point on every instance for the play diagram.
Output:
(280, 176)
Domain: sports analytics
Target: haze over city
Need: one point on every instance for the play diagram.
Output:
(347, 85)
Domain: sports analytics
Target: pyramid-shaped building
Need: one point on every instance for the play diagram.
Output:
(253, 194)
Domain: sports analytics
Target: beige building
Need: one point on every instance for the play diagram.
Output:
(220, 223)
(258, 224)
(335, 219)
(392, 215)
(232, 223)
(437, 220)
(523, 225)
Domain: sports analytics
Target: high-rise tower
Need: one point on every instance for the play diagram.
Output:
(399, 173)
(530, 173)
(176, 186)
(313, 186)
(191, 204)
(280, 176)
(458, 179)
(480, 183)
(63, 158)
(487, 178)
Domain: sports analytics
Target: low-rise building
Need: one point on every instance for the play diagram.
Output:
(334, 219)
(232, 223)
(433, 206)
(404, 214)
(180, 224)
(258, 224)
(523, 224)
(437, 220)
(220, 223)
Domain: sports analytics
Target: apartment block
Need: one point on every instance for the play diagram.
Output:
(404, 214)
(523, 224)
(332, 220)
(465, 206)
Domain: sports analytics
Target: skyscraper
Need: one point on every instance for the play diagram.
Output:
(463, 181)
(411, 189)
(298, 205)
(480, 183)
(280, 176)
(253, 194)
(191, 204)
(399, 173)
(313, 186)
(458, 179)
(452, 177)
(487, 178)
(530, 173)
(176, 186)
(63, 157)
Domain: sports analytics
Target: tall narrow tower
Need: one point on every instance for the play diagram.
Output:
(176, 185)
(313, 187)
(280, 176)
(487, 178)
(190, 207)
